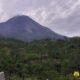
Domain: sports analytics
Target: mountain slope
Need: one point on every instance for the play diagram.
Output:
(26, 29)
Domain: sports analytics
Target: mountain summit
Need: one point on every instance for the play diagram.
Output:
(24, 28)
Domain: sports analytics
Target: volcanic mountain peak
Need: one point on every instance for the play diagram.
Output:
(20, 18)
(24, 28)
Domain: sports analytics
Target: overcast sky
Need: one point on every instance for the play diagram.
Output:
(62, 16)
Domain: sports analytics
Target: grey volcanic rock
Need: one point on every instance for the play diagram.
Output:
(26, 29)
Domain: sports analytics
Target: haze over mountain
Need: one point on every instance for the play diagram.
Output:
(24, 28)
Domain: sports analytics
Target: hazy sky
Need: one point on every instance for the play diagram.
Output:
(62, 16)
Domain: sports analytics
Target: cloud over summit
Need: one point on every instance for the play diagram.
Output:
(52, 13)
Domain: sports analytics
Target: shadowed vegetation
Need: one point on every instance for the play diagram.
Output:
(39, 60)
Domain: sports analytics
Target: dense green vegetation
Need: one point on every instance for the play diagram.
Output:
(39, 60)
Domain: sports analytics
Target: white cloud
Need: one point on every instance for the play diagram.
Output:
(46, 12)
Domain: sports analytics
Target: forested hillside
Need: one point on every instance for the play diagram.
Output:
(39, 60)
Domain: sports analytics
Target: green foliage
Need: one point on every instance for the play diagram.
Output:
(39, 60)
